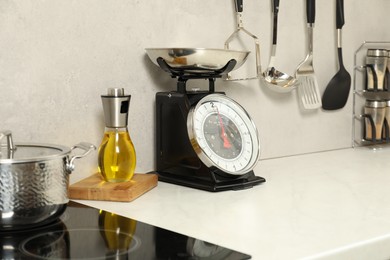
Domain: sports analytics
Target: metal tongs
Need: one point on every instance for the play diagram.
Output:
(240, 27)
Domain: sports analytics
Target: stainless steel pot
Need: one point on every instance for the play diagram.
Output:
(34, 180)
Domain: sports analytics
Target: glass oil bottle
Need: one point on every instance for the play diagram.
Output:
(116, 156)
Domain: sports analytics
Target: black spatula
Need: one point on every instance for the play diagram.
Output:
(337, 92)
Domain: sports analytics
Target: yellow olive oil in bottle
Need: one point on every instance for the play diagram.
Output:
(116, 156)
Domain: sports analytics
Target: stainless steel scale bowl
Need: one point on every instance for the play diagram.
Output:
(197, 60)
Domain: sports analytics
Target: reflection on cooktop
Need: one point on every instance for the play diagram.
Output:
(83, 232)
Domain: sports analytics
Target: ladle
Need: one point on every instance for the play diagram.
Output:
(277, 80)
(337, 91)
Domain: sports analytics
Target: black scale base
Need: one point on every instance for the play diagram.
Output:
(177, 161)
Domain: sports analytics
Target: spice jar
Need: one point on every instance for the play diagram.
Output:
(376, 65)
(374, 113)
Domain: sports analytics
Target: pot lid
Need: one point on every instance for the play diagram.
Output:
(31, 152)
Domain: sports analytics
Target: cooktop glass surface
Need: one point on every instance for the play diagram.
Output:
(83, 232)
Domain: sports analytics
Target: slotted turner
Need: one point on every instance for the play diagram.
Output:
(308, 91)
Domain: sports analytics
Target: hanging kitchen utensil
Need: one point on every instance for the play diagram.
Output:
(337, 92)
(234, 35)
(275, 79)
(308, 92)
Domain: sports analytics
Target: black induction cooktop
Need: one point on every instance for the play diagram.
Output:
(83, 232)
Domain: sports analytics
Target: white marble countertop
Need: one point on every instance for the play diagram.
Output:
(329, 205)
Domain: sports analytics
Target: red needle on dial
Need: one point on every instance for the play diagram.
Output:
(226, 143)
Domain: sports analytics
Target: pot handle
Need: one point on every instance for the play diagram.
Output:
(10, 144)
(87, 147)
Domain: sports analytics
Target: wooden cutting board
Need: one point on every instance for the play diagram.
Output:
(95, 188)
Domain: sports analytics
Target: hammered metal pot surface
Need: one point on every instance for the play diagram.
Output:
(32, 193)
(34, 180)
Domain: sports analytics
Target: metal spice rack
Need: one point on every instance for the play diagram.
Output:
(360, 94)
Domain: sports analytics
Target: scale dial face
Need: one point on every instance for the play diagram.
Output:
(223, 135)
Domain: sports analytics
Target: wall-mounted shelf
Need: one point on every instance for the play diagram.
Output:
(360, 95)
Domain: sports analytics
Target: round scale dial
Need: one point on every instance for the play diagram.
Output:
(223, 135)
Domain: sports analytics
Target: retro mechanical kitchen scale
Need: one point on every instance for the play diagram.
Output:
(204, 139)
